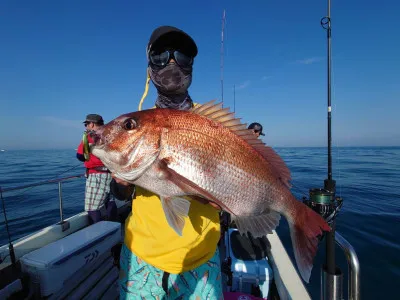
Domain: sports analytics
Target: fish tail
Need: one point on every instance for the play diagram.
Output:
(85, 143)
(306, 226)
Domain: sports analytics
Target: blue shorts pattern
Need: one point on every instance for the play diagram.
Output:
(139, 280)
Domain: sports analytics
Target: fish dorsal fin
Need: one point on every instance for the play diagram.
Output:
(223, 116)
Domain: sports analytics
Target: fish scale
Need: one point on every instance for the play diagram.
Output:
(209, 155)
(225, 179)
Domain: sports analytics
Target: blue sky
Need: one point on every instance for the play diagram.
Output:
(60, 60)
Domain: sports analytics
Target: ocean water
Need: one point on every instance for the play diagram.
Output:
(368, 179)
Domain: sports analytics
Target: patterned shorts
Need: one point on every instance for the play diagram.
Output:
(97, 191)
(139, 280)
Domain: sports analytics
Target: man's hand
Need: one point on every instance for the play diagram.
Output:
(120, 181)
(121, 189)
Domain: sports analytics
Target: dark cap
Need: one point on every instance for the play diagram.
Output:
(169, 36)
(94, 118)
(256, 127)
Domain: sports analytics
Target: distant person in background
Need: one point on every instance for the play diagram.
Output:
(97, 192)
(257, 129)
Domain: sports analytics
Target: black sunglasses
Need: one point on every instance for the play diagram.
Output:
(162, 59)
(86, 124)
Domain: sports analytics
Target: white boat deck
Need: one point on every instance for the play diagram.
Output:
(98, 280)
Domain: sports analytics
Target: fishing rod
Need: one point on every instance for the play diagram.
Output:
(324, 201)
(234, 98)
(222, 57)
(10, 244)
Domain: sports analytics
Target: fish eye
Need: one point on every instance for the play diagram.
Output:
(129, 124)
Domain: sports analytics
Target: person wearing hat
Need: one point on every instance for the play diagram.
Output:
(157, 263)
(257, 129)
(170, 54)
(98, 178)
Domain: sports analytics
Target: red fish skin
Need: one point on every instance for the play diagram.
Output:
(177, 153)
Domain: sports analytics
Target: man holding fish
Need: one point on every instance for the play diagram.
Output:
(155, 260)
(97, 189)
(189, 161)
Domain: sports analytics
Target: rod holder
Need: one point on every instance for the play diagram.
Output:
(331, 285)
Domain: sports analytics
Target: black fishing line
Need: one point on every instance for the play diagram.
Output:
(68, 170)
(298, 189)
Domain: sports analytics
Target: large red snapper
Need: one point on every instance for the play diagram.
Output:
(208, 154)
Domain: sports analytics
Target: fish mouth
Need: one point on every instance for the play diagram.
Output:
(120, 162)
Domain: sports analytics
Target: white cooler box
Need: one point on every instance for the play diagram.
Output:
(53, 264)
(250, 266)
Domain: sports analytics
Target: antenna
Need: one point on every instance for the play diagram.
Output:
(234, 98)
(222, 58)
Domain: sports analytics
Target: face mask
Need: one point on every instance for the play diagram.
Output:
(171, 80)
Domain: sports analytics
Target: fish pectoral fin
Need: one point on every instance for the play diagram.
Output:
(187, 186)
(259, 225)
(176, 209)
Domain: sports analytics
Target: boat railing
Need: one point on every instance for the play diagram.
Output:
(353, 264)
(59, 181)
(347, 248)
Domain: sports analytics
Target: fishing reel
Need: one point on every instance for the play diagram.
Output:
(324, 202)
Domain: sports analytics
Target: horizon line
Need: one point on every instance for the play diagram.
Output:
(347, 146)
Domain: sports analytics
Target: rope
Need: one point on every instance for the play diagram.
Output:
(146, 90)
